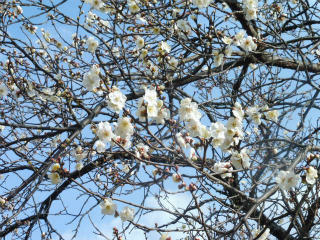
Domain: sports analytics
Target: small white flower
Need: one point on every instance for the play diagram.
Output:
(55, 167)
(133, 6)
(164, 48)
(104, 132)
(100, 146)
(223, 168)
(272, 115)
(201, 3)
(253, 113)
(2, 201)
(234, 123)
(248, 44)
(91, 79)
(237, 111)
(55, 178)
(124, 127)
(287, 179)
(3, 90)
(108, 207)
(227, 40)
(125, 168)
(189, 110)
(164, 236)
(181, 141)
(92, 44)
(240, 160)
(195, 128)
(184, 27)
(218, 59)
(139, 42)
(217, 131)
(312, 175)
(238, 38)
(116, 100)
(142, 150)
(79, 166)
(127, 214)
(192, 154)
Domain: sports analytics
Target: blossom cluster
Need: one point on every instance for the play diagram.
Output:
(108, 207)
(150, 106)
(250, 8)
(246, 43)
(91, 79)
(54, 175)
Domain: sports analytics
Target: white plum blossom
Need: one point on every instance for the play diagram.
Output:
(173, 63)
(91, 17)
(124, 142)
(91, 79)
(78, 153)
(239, 38)
(55, 167)
(228, 51)
(139, 42)
(312, 175)
(237, 111)
(193, 154)
(201, 3)
(104, 132)
(92, 44)
(217, 131)
(3, 90)
(18, 9)
(251, 14)
(164, 48)
(254, 114)
(124, 127)
(184, 26)
(248, 44)
(79, 166)
(227, 40)
(55, 178)
(240, 160)
(108, 207)
(181, 141)
(142, 150)
(164, 236)
(96, 4)
(163, 114)
(195, 128)
(100, 146)
(150, 96)
(272, 115)
(189, 110)
(127, 214)
(218, 59)
(116, 100)
(223, 168)
(287, 179)
(115, 51)
(133, 6)
(125, 168)
(250, 8)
